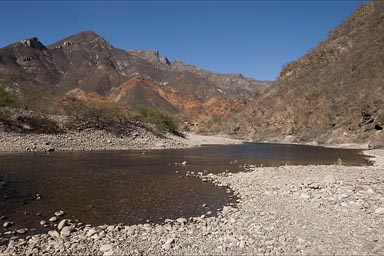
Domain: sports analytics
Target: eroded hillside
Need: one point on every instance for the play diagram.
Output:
(333, 94)
(88, 63)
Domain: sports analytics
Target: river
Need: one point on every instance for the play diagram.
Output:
(107, 187)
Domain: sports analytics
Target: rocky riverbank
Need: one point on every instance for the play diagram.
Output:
(27, 131)
(92, 139)
(283, 210)
(89, 139)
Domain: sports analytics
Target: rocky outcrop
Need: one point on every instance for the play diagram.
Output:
(34, 43)
(152, 56)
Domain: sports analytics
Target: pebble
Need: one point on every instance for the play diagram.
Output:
(62, 224)
(106, 247)
(91, 232)
(53, 219)
(59, 213)
(181, 220)
(7, 224)
(166, 246)
(67, 230)
(379, 211)
(22, 231)
(170, 240)
(54, 234)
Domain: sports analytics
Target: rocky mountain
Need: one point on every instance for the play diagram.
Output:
(88, 62)
(143, 91)
(231, 84)
(333, 94)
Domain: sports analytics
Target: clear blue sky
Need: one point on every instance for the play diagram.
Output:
(254, 38)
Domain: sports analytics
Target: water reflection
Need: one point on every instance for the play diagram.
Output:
(135, 186)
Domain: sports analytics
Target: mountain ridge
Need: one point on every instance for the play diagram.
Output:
(223, 80)
(89, 62)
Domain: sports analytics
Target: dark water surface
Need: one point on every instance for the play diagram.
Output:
(107, 187)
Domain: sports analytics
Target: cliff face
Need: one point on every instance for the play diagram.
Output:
(333, 94)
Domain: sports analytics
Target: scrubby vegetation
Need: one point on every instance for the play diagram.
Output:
(38, 101)
(32, 99)
(333, 94)
(98, 111)
(12, 117)
(103, 115)
(29, 112)
(7, 99)
(162, 120)
(27, 122)
(36, 124)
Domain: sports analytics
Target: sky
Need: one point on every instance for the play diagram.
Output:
(255, 38)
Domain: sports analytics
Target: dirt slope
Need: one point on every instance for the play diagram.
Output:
(333, 94)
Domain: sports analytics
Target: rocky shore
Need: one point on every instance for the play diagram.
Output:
(300, 210)
(89, 140)
(26, 131)
(92, 139)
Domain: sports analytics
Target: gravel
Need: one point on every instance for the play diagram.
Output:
(287, 210)
(88, 140)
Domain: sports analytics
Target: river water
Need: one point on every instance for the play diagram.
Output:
(107, 187)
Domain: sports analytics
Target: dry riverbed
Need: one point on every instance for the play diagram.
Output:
(284, 210)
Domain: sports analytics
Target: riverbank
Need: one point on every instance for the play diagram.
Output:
(88, 140)
(91, 139)
(194, 140)
(22, 131)
(292, 141)
(300, 210)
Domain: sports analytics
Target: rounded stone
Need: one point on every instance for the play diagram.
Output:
(106, 247)
(59, 213)
(62, 224)
(53, 219)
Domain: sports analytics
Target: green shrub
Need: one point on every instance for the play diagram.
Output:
(5, 115)
(163, 121)
(38, 124)
(37, 100)
(28, 123)
(339, 162)
(6, 98)
(31, 98)
(107, 112)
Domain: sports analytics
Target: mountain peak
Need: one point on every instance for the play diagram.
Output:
(87, 35)
(33, 42)
(84, 37)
